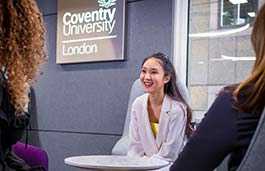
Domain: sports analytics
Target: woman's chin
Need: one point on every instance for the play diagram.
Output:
(147, 90)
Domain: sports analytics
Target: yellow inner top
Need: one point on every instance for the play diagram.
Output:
(154, 127)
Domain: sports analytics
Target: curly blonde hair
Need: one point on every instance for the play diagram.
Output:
(22, 39)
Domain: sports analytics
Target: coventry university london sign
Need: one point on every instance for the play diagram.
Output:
(90, 30)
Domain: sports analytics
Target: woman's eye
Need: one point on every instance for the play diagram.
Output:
(143, 71)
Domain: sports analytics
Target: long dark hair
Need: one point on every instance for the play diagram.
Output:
(170, 87)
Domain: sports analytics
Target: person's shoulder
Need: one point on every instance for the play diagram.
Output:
(177, 106)
(140, 99)
(224, 98)
(227, 91)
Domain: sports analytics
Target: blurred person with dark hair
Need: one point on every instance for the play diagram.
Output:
(230, 123)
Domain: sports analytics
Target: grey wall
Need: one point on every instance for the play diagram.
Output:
(80, 108)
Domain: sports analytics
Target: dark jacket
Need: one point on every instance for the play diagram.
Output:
(12, 129)
(223, 131)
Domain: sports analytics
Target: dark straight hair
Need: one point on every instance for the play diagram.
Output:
(170, 87)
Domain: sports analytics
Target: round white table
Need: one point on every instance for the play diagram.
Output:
(117, 163)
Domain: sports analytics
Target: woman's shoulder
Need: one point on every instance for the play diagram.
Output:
(228, 90)
(140, 100)
(177, 106)
(223, 102)
(226, 93)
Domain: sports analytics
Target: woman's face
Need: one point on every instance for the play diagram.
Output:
(153, 76)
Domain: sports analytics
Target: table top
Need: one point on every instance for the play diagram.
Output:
(119, 163)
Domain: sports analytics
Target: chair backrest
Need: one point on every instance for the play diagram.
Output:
(32, 155)
(121, 147)
(136, 91)
(254, 158)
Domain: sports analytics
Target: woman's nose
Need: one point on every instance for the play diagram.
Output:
(147, 76)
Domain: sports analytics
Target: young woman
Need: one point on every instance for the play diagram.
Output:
(21, 55)
(160, 118)
(230, 123)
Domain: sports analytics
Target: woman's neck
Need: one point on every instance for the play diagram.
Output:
(156, 99)
(155, 102)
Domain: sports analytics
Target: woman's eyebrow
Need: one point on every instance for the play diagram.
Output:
(154, 69)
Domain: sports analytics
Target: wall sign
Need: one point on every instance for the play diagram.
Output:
(90, 30)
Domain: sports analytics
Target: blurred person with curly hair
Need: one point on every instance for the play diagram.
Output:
(22, 39)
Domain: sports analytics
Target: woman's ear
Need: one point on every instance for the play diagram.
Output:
(166, 79)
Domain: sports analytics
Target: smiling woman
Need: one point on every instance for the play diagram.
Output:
(160, 119)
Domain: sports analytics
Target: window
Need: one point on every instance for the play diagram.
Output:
(235, 13)
(219, 48)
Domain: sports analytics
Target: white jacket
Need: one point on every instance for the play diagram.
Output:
(171, 131)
